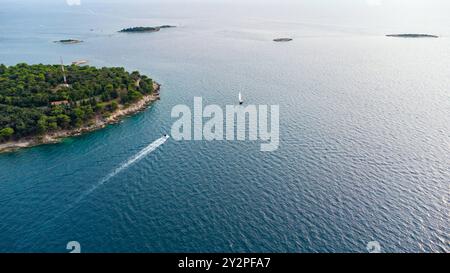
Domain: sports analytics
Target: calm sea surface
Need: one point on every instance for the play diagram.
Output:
(364, 119)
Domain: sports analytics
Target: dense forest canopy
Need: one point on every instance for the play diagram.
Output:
(35, 100)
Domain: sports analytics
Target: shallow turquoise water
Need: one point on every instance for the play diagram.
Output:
(364, 151)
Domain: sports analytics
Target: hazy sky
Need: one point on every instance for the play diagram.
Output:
(404, 15)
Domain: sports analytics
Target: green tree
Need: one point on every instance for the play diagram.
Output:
(2, 68)
(134, 95)
(100, 107)
(52, 126)
(78, 117)
(63, 121)
(113, 106)
(6, 133)
(42, 125)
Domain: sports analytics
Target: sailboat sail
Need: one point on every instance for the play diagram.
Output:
(240, 98)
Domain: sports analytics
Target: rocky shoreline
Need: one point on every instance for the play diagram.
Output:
(98, 123)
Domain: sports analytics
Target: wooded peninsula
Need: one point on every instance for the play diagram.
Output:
(43, 103)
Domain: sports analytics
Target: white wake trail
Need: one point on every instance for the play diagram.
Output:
(140, 155)
(143, 153)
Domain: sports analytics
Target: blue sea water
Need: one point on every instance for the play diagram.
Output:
(364, 129)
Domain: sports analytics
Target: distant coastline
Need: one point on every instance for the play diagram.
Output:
(69, 41)
(145, 29)
(282, 40)
(412, 35)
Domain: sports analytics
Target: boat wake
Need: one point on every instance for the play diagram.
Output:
(140, 155)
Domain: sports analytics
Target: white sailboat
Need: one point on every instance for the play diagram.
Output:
(240, 98)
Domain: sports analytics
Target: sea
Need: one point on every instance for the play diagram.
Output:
(364, 153)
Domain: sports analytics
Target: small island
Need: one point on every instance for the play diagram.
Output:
(145, 29)
(41, 104)
(282, 40)
(412, 35)
(69, 41)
